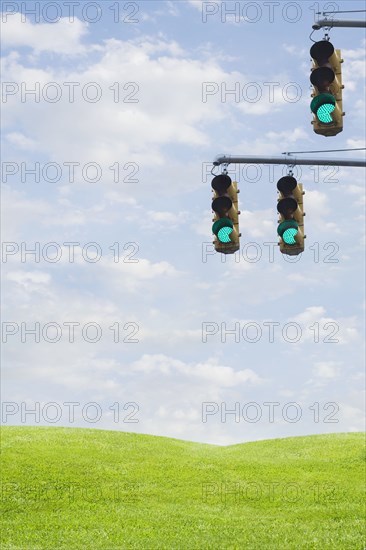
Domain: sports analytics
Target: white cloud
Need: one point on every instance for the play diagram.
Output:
(131, 272)
(44, 216)
(160, 220)
(167, 105)
(197, 4)
(326, 369)
(20, 141)
(209, 372)
(273, 143)
(25, 278)
(62, 37)
(317, 327)
(287, 137)
(354, 417)
(268, 96)
(19, 210)
(317, 209)
(357, 143)
(294, 50)
(259, 224)
(353, 69)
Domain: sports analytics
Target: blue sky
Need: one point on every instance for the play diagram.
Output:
(121, 131)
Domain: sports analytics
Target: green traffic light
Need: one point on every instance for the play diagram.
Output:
(287, 230)
(224, 234)
(288, 236)
(322, 105)
(323, 113)
(222, 228)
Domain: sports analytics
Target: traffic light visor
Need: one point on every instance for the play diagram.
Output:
(286, 185)
(321, 51)
(221, 183)
(287, 207)
(222, 228)
(222, 205)
(322, 78)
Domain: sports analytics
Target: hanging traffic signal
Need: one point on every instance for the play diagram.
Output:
(326, 78)
(291, 219)
(226, 219)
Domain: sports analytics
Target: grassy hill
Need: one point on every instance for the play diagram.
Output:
(86, 489)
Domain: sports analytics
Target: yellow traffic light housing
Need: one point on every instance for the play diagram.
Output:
(226, 214)
(291, 216)
(326, 78)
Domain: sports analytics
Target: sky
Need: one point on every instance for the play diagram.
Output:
(117, 312)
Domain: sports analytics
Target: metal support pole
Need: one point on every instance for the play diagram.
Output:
(287, 159)
(337, 23)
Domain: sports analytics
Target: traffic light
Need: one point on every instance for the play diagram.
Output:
(326, 78)
(226, 219)
(291, 216)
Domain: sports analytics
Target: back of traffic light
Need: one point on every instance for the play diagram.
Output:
(226, 214)
(291, 216)
(326, 78)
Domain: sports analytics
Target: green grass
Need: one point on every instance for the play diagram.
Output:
(84, 489)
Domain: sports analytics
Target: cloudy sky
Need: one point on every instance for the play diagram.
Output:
(116, 312)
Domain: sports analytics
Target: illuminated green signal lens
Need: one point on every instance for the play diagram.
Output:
(222, 228)
(287, 230)
(322, 106)
(323, 113)
(224, 234)
(288, 236)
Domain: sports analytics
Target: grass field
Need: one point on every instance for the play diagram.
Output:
(85, 489)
